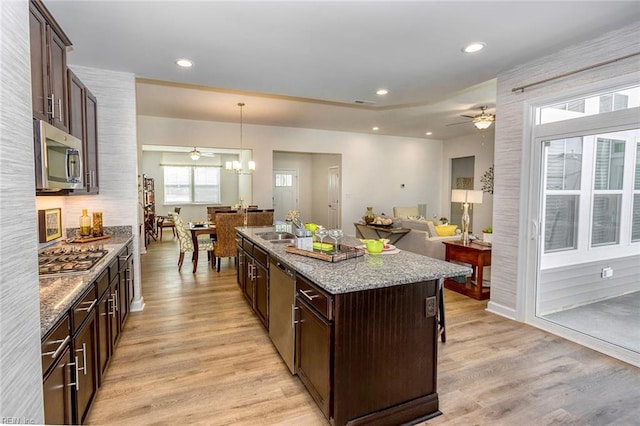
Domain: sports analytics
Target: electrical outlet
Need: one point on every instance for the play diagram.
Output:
(606, 272)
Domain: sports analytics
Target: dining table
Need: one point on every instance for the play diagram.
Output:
(200, 228)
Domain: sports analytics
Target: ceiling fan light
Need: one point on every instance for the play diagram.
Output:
(195, 154)
(482, 123)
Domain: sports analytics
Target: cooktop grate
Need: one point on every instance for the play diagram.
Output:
(69, 260)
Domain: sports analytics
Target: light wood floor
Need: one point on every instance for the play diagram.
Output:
(197, 355)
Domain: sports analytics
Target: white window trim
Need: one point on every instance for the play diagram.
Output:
(191, 186)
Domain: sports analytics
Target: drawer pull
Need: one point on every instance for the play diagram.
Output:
(84, 359)
(89, 308)
(293, 316)
(304, 293)
(63, 343)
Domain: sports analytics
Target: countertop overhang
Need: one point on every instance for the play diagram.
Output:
(361, 273)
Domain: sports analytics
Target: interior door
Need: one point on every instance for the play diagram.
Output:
(334, 198)
(285, 192)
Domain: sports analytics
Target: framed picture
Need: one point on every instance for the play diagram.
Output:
(49, 224)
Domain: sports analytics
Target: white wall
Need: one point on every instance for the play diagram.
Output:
(20, 365)
(373, 167)
(511, 178)
(479, 145)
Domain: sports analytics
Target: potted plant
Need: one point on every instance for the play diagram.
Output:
(486, 234)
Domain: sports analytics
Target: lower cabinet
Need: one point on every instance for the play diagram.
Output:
(253, 278)
(77, 350)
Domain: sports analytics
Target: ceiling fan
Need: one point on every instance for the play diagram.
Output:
(482, 121)
(196, 154)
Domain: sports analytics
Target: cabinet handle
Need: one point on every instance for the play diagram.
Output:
(116, 302)
(60, 118)
(63, 343)
(293, 316)
(88, 309)
(52, 112)
(84, 359)
(304, 293)
(77, 383)
(112, 302)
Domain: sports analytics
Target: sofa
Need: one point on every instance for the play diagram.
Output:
(423, 238)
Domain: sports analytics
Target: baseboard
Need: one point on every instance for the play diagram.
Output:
(137, 305)
(503, 311)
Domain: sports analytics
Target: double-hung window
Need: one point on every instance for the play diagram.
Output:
(191, 185)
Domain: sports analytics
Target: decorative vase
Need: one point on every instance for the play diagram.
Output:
(85, 224)
(486, 237)
(369, 216)
(97, 224)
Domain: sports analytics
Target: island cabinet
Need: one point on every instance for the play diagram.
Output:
(48, 67)
(369, 357)
(255, 279)
(57, 371)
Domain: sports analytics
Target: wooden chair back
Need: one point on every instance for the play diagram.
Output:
(226, 234)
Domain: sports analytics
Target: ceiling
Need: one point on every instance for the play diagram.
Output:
(304, 63)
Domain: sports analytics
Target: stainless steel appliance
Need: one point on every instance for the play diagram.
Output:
(282, 310)
(65, 260)
(58, 158)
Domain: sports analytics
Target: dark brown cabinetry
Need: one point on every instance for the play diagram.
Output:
(77, 351)
(56, 369)
(83, 125)
(369, 356)
(85, 351)
(48, 67)
(254, 279)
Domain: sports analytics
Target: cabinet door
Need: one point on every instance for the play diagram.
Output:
(104, 333)
(91, 142)
(84, 345)
(58, 79)
(261, 303)
(123, 297)
(57, 392)
(313, 355)
(76, 106)
(241, 268)
(39, 75)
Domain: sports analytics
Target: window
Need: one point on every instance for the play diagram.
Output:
(191, 185)
(285, 179)
(635, 218)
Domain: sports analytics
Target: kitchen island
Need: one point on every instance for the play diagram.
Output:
(365, 329)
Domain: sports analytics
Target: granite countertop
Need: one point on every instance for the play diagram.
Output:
(360, 273)
(59, 292)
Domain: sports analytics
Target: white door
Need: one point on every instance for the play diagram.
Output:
(334, 197)
(285, 192)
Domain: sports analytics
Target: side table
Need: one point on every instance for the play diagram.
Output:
(478, 256)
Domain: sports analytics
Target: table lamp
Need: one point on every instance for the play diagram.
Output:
(466, 197)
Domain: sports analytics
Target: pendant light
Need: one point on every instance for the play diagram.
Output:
(236, 166)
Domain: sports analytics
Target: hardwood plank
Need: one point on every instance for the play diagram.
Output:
(198, 355)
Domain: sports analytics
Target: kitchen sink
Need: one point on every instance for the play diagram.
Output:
(277, 237)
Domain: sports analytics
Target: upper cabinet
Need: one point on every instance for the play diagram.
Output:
(48, 67)
(83, 125)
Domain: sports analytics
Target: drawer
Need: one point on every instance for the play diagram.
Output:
(102, 283)
(315, 297)
(54, 344)
(261, 256)
(247, 246)
(83, 307)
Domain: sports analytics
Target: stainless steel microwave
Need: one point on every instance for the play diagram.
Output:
(58, 158)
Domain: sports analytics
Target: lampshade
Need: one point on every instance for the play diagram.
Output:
(195, 154)
(466, 196)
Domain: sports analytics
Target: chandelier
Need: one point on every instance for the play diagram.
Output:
(236, 166)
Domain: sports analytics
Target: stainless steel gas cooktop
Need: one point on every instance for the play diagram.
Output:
(65, 260)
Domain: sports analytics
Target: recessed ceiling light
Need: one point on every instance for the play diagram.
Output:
(473, 47)
(184, 63)
(382, 92)
(429, 133)
(375, 128)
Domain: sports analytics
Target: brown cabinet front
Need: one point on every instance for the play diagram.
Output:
(57, 388)
(85, 354)
(313, 354)
(261, 302)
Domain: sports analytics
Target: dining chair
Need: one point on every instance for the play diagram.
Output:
(186, 243)
(165, 222)
(225, 245)
(261, 218)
